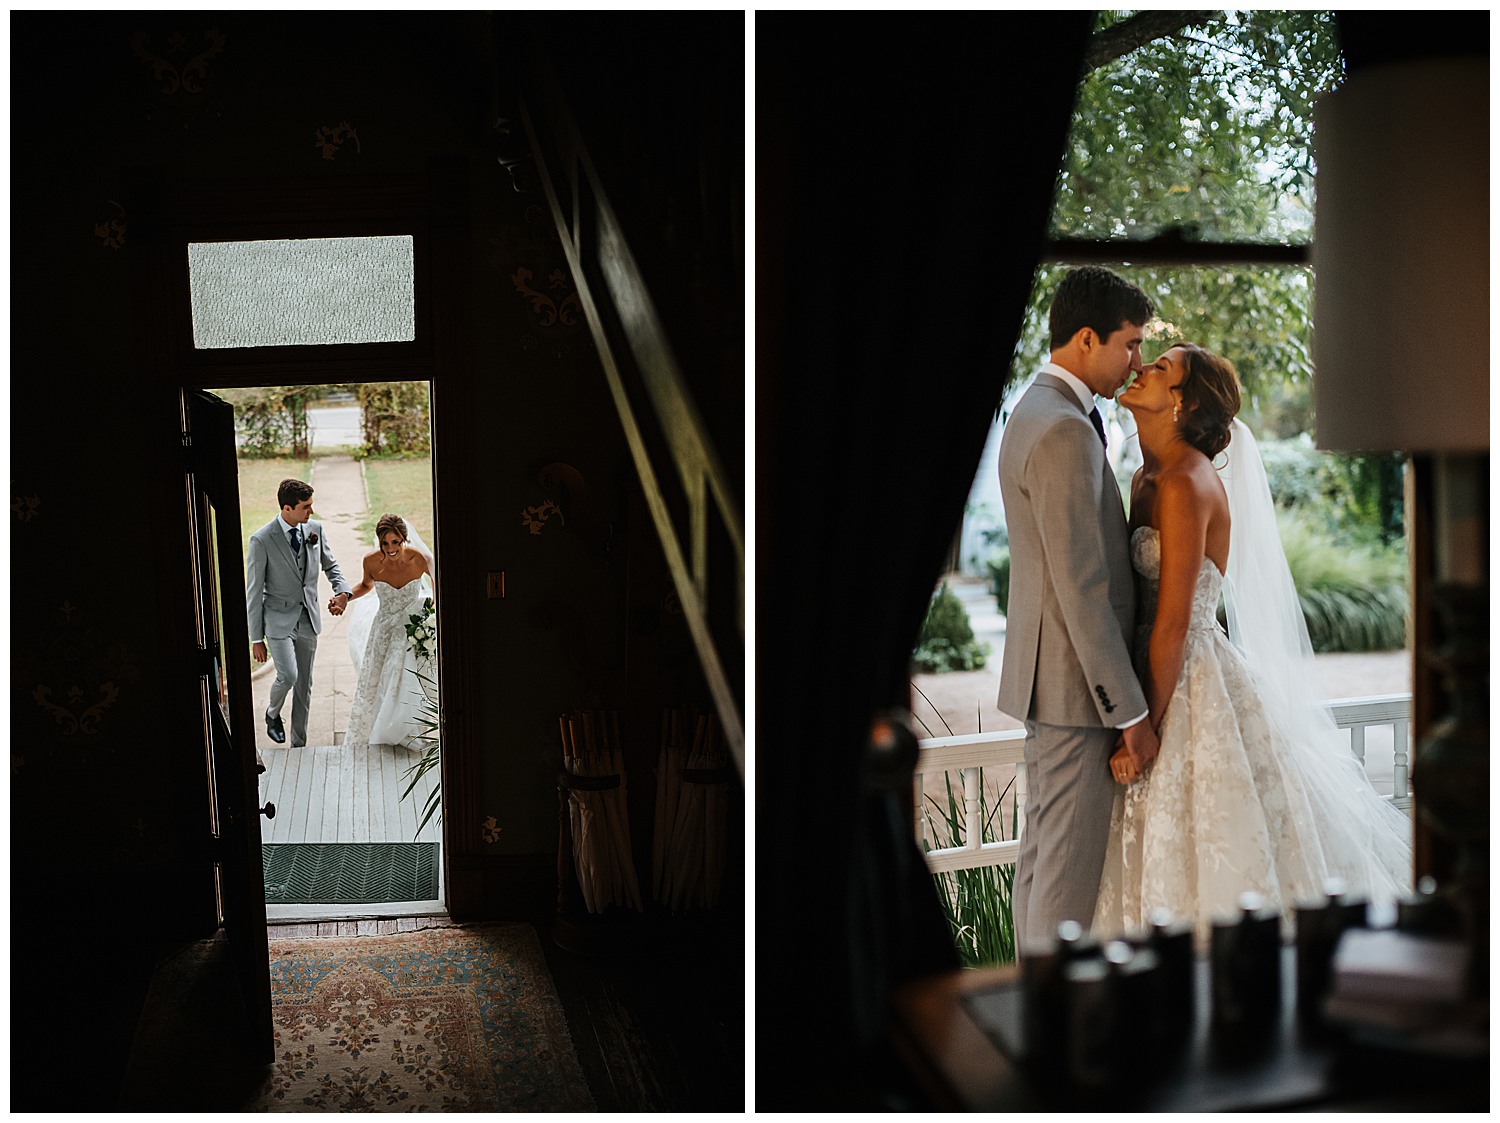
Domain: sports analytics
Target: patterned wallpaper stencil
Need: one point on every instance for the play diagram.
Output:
(176, 69)
(559, 305)
(73, 672)
(331, 138)
(112, 230)
(25, 507)
(535, 517)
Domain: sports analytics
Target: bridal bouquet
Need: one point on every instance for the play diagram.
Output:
(421, 631)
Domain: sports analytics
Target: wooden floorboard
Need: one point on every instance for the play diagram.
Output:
(660, 1029)
(338, 793)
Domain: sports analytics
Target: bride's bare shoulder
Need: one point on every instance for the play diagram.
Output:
(1194, 472)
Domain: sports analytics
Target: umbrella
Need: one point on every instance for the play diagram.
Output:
(691, 813)
(598, 812)
(582, 865)
(659, 829)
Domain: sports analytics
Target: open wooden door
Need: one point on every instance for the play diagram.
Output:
(212, 492)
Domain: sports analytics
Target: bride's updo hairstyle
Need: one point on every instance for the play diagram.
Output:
(1210, 391)
(390, 523)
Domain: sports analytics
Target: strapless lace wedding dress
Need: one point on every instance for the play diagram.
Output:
(387, 695)
(1227, 807)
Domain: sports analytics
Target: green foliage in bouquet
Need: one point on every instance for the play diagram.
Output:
(421, 631)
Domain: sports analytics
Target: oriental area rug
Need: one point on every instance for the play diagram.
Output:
(445, 1019)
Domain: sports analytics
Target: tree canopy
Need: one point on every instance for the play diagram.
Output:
(1202, 122)
(1207, 126)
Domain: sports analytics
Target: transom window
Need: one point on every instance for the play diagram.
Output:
(288, 292)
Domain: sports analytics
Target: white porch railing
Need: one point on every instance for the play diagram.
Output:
(1378, 712)
(969, 753)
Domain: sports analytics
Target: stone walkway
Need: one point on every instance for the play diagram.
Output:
(339, 503)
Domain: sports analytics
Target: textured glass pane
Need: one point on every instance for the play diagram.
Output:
(302, 291)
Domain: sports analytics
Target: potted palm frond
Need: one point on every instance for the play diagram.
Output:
(428, 742)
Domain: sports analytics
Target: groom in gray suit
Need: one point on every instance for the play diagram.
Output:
(1066, 670)
(281, 592)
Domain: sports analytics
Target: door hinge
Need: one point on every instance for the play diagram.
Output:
(207, 657)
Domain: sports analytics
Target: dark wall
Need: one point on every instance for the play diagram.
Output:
(902, 195)
(109, 798)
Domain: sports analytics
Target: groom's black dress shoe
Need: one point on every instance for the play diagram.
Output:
(275, 730)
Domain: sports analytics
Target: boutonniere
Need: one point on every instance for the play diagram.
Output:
(312, 539)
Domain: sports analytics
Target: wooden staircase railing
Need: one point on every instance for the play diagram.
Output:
(694, 505)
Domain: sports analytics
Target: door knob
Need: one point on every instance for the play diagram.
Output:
(269, 810)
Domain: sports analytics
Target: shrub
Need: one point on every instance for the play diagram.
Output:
(1353, 496)
(999, 567)
(1353, 595)
(394, 416)
(946, 642)
(272, 421)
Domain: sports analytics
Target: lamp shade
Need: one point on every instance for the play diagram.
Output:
(1401, 259)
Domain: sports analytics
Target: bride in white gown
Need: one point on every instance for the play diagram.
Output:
(1254, 787)
(396, 585)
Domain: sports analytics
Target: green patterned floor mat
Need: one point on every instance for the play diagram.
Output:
(349, 873)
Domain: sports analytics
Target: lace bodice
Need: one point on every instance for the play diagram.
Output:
(1145, 557)
(400, 602)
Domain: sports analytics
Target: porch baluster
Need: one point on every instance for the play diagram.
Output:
(1022, 791)
(1000, 750)
(973, 829)
(924, 837)
(1400, 794)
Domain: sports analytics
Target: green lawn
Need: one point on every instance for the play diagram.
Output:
(402, 487)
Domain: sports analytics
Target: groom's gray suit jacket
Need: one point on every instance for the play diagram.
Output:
(278, 588)
(1072, 595)
(1066, 670)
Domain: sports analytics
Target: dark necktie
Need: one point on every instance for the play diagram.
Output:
(1098, 425)
(296, 542)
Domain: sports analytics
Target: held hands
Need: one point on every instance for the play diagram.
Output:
(337, 603)
(258, 651)
(1135, 752)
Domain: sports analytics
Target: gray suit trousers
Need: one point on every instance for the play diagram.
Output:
(293, 657)
(1068, 805)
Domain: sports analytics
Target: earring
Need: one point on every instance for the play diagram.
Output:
(1177, 412)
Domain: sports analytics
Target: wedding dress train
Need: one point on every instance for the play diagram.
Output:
(1237, 800)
